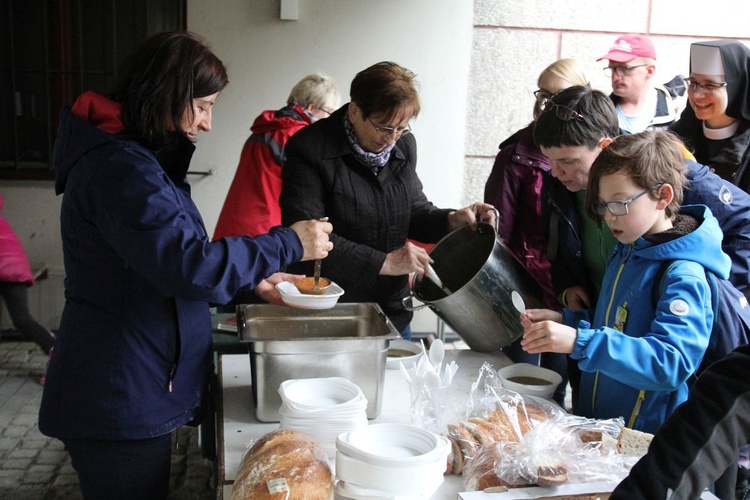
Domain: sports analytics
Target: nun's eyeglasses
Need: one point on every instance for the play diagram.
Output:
(562, 112)
(707, 87)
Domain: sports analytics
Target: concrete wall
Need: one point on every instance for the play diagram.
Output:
(477, 62)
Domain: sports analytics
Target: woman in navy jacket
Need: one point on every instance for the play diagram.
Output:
(133, 351)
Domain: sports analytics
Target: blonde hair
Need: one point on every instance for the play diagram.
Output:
(316, 89)
(569, 69)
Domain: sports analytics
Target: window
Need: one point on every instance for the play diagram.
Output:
(53, 50)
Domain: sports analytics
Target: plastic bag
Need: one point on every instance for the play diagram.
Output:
(552, 452)
(283, 465)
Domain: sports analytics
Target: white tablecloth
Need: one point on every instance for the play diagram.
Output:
(237, 425)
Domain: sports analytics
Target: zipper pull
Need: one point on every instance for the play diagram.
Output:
(171, 377)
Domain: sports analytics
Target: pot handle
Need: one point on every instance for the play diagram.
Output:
(497, 219)
(407, 303)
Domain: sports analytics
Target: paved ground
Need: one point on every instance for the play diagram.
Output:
(35, 467)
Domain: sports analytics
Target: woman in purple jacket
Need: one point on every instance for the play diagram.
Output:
(132, 356)
(514, 188)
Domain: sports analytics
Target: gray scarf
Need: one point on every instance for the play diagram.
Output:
(376, 161)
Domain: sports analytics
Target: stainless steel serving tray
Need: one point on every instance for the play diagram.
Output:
(348, 340)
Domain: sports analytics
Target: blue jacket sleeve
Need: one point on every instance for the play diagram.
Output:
(156, 229)
(666, 352)
(731, 207)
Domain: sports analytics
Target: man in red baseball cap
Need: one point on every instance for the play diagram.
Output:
(640, 104)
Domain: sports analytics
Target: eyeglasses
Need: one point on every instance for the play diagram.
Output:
(620, 208)
(327, 112)
(620, 70)
(542, 96)
(707, 87)
(398, 132)
(562, 112)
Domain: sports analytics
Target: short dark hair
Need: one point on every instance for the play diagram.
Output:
(599, 119)
(383, 88)
(649, 158)
(157, 83)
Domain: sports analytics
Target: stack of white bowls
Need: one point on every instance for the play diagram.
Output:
(390, 460)
(323, 408)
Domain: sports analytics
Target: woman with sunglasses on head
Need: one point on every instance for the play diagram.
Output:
(514, 187)
(132, 357)
(716, 122)
(358, 168)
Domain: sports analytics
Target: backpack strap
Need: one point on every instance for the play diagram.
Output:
(664, 268)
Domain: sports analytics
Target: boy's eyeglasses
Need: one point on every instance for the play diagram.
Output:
(707, 87)
(620, 70)
(398, 132)
(562, 112)
(620, 208)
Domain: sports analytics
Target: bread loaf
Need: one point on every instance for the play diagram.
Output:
(468, 436)
(633, 443)
(284, 465)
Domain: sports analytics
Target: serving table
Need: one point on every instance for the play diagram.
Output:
(237, 426)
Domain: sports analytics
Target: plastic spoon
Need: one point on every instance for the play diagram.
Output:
(437, 352)
(518, 302)
(432, 380)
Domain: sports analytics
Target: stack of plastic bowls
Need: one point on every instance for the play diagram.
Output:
(323, 408)
(390, 460)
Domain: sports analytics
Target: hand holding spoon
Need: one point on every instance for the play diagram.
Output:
(518, 302)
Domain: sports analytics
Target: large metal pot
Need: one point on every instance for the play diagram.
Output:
(481, 273)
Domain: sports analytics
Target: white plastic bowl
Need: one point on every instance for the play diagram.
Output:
(320, 393)
(401, 459)
(403, 352)
(393, 445)
(291, 296)
(518, 371)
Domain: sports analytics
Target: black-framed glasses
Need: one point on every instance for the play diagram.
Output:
(693, 85)
(328, 112)
(542, 96)
(398, 132)
(562, 112)
(620, 70)
(620, 208)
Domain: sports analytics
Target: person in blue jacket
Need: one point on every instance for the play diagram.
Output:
(635, 358)
(133, 352)
(576, 247)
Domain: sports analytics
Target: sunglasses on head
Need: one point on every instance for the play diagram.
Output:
(562, 112)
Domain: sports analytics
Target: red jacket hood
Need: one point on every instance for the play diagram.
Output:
(105, 114)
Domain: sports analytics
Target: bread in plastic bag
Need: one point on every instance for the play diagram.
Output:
(556, 451)
(284, 464)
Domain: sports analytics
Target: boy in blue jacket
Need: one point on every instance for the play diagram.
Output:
(635, 359)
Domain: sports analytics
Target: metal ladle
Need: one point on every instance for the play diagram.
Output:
(432, 275)
(316, 288)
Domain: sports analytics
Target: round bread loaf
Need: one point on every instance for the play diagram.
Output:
(284, 465)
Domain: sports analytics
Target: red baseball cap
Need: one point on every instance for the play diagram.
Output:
(628, 47)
